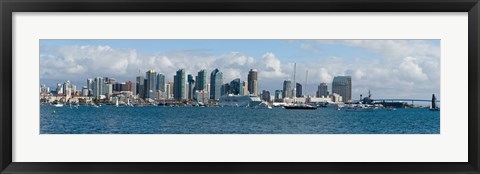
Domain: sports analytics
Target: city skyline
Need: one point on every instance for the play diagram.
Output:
(416, 74)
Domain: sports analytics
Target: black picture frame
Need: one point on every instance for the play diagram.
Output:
(9, 6)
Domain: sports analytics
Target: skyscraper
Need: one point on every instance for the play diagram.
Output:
(89, 87)
(161, 82)
(44, 89)
(59, 89)
(216, 81)
(201, 80)
(130, 86)
(145, 89)
(67, 90)
(73, 89)
(244, 88)
(322, 90)
(98, 87)
(265, 95)
(117, 86)
(123, 86)
(151, 85)
(342, 85)
(108, 90)
(169, 90)
(253, 82)
(208, 88)
(140, 86)
(191, 86)
(299, 90)
(109, 80)
(66, 87)
(179, 85)
(85, 92)
(186, 87)
(287, 89)
(278, 95)
(235, 86)
(225, 89)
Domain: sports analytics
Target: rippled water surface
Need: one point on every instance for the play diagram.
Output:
(217, 120)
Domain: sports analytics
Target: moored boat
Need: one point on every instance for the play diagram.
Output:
(300, 106)
(359, 109)
(239, 101)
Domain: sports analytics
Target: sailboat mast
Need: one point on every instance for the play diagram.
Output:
(306, 83)
(294, 82)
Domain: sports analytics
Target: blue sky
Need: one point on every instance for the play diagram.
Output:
(291, 50)
(383, 66)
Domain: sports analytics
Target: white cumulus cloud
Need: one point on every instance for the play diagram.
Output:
(403, 68)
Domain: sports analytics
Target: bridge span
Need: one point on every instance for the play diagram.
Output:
(401, 100)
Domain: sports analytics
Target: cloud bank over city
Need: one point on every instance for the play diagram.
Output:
(389, 68)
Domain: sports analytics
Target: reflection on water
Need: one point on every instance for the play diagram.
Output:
(217, 120)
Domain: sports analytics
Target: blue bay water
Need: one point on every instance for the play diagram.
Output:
(232, 120)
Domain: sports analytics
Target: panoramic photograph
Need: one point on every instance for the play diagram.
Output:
(233, 86)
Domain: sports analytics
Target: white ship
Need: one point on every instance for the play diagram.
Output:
(239, 101)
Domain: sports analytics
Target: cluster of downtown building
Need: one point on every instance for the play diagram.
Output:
(200, 88)
(341, 92)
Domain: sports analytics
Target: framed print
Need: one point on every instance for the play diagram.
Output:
(236, 92)
(260, 86)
